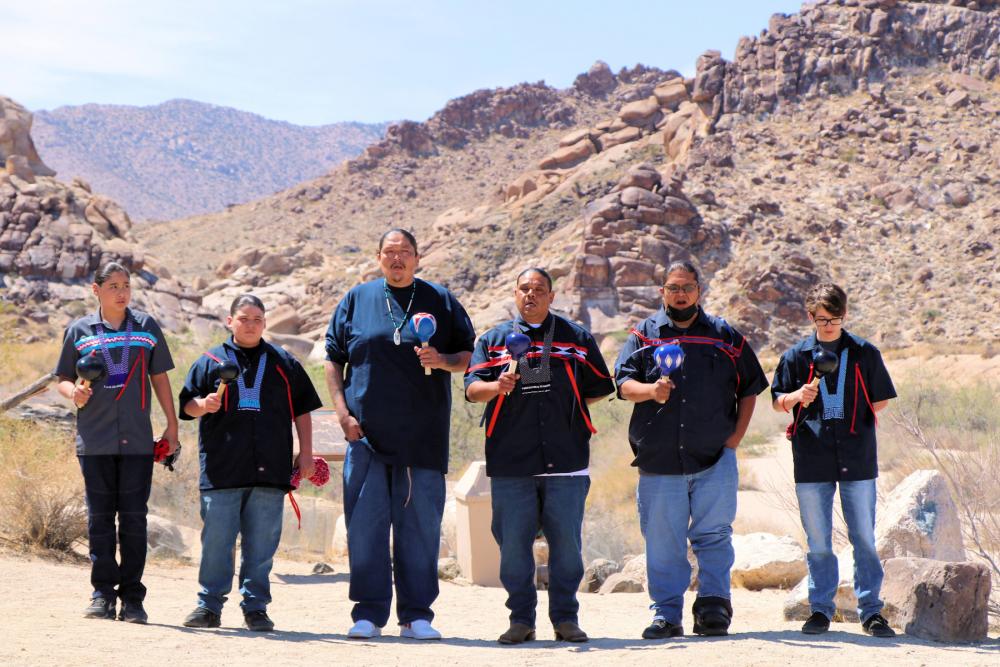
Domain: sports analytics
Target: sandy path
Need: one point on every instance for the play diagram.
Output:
(41, 611)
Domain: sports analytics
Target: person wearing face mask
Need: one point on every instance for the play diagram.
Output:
(833, 445)
(684, 432)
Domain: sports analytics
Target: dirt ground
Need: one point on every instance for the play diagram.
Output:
(43, 603)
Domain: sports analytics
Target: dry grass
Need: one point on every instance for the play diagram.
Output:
(40, 487)
(955, 431)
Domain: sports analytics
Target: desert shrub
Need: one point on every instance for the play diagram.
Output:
(40, 487)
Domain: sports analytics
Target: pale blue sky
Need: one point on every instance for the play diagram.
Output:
(313, 62)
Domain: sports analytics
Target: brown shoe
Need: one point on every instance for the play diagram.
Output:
(518, 633)
(569, 631)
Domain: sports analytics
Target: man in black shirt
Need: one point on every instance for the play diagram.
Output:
(538, 450)
(245, 451)
(684, 431)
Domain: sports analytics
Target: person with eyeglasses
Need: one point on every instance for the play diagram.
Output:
(834, 445)
(396, 419)
(684, 432)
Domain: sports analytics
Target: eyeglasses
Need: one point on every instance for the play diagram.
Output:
(687, 289)
(824, 321)
(397, 254)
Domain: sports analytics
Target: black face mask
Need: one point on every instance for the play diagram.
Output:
(682, 314)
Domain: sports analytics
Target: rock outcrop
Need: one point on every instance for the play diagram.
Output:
(53, 237)
(17, 149)
(932, 599)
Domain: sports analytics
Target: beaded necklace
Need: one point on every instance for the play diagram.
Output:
(396, 338)
(249, 396)
(116, 372)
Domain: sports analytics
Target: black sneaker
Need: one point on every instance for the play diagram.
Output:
(817, 624)
(258, 621)
(132, 612)
(877, 626)
(660, 629)
(100, 607)
(712, 616)
(202, 618)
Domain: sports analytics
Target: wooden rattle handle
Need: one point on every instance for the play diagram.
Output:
(221, 390)
(814, 384)
(511, 368)
(427, 369)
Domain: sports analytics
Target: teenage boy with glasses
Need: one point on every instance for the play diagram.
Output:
(833, 444)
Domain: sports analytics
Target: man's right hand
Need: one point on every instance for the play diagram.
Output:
(660, 390)
(506, 382)
(210, 403)
(81, 395)
(807, 394)
(351, 427)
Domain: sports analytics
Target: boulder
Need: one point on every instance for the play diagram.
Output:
(638, 113)
(592, 271)
(283, 320)
(956, 99)
(767, 561)
(15, 136)
(597, 573)
(957, 194)
(620, 582)
(568, 156)
(640, 176)
(300, 346)
(937, 600)
(163, 537)
(636, 568)
(17, 165)
(919, 518)
(272, 264)
(632, 271)
(448, 569)
(633, 196)
(575, 137)
(671, 93)
(617, 137)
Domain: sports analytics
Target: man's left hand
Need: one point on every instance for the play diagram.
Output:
(732, 442)
(171, 435)
(306, 466)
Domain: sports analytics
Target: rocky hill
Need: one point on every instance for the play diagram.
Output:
(183, 157)
(53, 236)
(856, 140)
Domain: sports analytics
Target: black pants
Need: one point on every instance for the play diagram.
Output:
(117, 486)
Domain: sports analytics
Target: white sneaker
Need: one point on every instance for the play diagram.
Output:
(419, 629)
(364, 630)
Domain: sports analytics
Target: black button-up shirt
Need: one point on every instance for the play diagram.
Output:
(687, 434)
(828, 450)
(241, 448)
(116, 420)
(541, 430)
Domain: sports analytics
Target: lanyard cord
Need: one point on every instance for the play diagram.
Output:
(388, 307)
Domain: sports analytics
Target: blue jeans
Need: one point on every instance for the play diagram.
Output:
(676, 508)
(255, 514)
(522, 505)
(857, 499)
(117, 486)
(410, 501)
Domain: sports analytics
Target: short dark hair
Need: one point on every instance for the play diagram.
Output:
(407, 235)
(246, 300)
(535, 269)
(831, 298)
(682, 265)
(107, 269)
